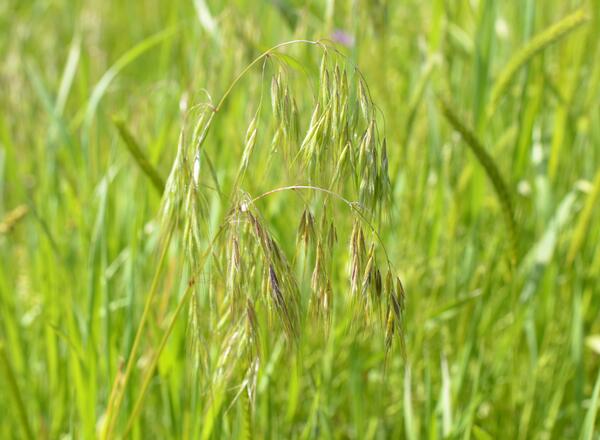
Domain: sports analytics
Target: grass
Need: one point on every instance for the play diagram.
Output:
(216, 222)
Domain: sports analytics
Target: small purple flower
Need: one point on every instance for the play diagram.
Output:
(342, 37)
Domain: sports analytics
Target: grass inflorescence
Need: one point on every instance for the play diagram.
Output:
(254, 284)
(253, 219)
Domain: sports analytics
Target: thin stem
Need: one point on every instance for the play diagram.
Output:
(146, 382)
(351, 204)
(118, 392)
(311, 187)
(253, 63)
(138, 403)
(115, 394)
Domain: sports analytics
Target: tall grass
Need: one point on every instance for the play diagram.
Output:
(202, 237)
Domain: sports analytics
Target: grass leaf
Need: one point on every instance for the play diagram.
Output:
(587, 431)
(584, 221)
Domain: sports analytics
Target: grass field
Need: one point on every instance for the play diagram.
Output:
(387, 228)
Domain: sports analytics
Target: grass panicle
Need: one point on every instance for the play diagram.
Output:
(537, 44)
(492, 171)
(341, 156)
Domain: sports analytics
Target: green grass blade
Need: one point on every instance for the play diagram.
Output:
(409, 416)
(68, 74)
(206, 19)
(484, 52)
(126, 59)
(14, 387)
(583, 223)
(49, 106)
(587, 431)
(156, 356)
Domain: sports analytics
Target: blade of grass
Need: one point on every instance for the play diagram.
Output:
(531, 102)
(587, 431)
(409, 417)
(484, 50)
(206, 19)
(68, 74)
(106, 79)
(573, 55)
(150, 370)
(584, 221)
(44, 96)
(16, 392)
(118, 391)
(446, 398)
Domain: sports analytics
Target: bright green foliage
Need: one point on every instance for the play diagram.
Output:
(286, 219)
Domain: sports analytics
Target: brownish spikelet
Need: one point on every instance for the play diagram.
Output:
(310, 225)
(354, 275)
(401, 294)
(368, 272)
(327, 298)
(275, 96)
(316, 275)
(331, 236)
(301, 234)
(363, 99)
(253, 324)
(377, 283)
(389, 330)
(280, 304)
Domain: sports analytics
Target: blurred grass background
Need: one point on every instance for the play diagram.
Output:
(492, 352)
